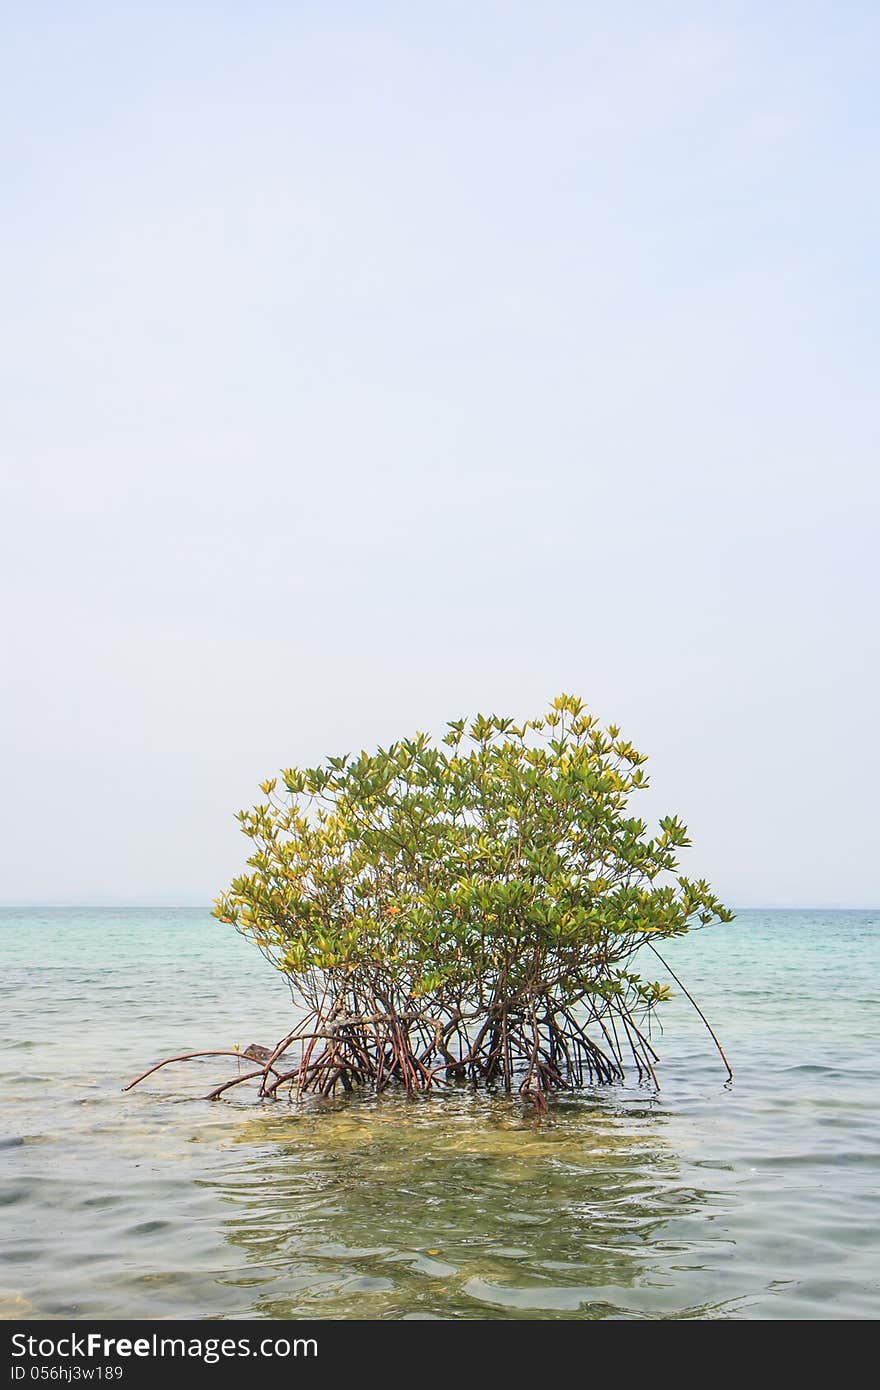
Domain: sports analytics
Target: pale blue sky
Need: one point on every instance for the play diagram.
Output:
(365, 365)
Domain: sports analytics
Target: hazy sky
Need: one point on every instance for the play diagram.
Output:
(367, 365)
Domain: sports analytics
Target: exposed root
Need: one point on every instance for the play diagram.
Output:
(686, 992)
(530, 1047)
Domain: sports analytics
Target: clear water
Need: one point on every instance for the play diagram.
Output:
(756, 1200)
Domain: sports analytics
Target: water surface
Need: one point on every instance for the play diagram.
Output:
(759, 1199)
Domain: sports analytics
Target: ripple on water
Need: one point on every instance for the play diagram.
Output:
(755, 1200)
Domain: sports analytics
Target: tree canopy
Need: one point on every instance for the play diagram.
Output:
(467, 907)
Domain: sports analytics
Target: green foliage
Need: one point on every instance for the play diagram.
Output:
(499, 871)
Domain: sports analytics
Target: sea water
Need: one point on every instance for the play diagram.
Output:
(757, 1199)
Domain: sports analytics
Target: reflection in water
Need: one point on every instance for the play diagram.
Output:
(458, 1206)
(758, 1200)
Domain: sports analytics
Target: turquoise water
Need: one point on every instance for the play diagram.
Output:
(760, 1199)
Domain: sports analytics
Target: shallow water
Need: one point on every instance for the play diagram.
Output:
(759, 1199)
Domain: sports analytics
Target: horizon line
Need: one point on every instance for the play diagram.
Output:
(206, 906)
